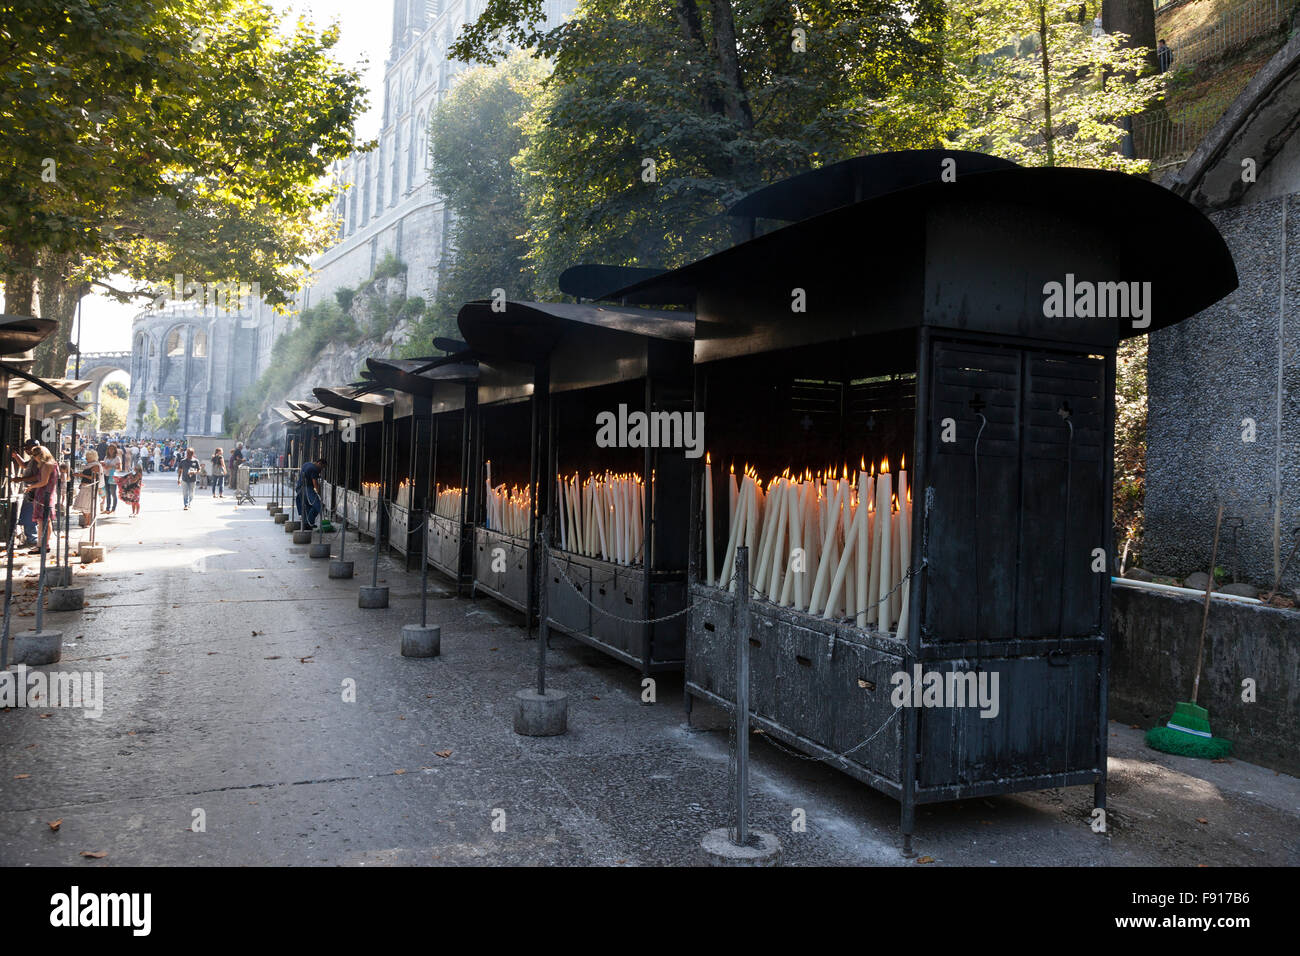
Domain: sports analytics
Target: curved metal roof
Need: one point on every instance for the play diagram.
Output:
(417, 378)
(893, 248)
(530, 331)
(858, 179)
(21, 332)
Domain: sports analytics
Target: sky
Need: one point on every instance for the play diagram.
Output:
(365, 33)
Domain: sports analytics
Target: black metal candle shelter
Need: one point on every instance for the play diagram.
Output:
(358, 411)
(905, 309)
(587, 360)
(442, 400)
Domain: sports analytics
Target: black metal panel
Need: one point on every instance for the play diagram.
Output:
(1003, 514)
(859, 689)
(510, 585)
(1046, 723)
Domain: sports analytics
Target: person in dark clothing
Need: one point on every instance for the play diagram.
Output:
(308, 490)
(1164, 56)
(187, 475)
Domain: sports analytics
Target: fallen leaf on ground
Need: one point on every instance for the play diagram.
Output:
(442, 753)
(55, 824)
(1202, 820)
(399, 771)
(21, 776)
(925, 859)
(97, 855)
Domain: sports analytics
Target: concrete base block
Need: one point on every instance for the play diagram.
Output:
(718, 850)
(538, 716)
(420, 641)
(302, 536)
(36, 647)
(58, 577)
(373, 597)
(280, 517)
(272, 506)
(91, 553)
(319, 549)
(341, 569)
(291, 526)
(67, 599)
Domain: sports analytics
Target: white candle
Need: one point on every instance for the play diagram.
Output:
(824, 567)
(862, 529)
(709, 518)
(905, 549)
(884, 492)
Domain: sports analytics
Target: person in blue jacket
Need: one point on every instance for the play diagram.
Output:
(308, 490)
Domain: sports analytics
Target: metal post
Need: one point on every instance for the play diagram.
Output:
(543, 628)
(9, 587)
(44, 540)
(347, 479)
(430, 499)
(374, 572)
(742, 697)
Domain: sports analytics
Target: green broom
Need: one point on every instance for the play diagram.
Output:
(1187, 731)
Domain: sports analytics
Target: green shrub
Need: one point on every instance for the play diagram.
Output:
(389, 266)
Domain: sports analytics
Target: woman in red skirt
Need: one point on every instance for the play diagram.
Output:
(128, 487)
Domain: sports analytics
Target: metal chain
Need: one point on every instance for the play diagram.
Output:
(389, 506)
(618, 617)
(834, 757)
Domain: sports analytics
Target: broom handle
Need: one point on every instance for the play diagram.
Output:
(1205, 617)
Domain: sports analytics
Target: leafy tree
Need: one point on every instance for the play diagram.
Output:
(116, 389)
(112, 415)
(152, 420)
(189, 136)
(1028, 81)
(474, 136)
(172, 420)
(721, 97)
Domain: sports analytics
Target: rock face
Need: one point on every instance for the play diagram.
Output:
(339, 363)
(1197, 581)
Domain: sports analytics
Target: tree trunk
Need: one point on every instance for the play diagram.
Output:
(724, 48)
(1137, 18)
(1047, 84)
(19, 281)
(58, 300)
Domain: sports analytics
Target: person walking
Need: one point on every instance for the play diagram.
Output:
(157, 457)
(187, 475)
(113, 466)
(44, 489)
(217, 472)
(86, 492)
(30, 468)
(130, 485)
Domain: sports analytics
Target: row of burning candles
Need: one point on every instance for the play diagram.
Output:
(602, 516)
(814, 546)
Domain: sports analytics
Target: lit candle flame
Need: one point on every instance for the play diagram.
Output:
(884, 466)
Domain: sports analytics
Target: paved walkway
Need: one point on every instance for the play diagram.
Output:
(225, 651)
